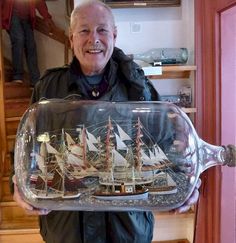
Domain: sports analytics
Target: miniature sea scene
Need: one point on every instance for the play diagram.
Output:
(89, 155)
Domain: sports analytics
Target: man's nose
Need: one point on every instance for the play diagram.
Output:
(94, 37)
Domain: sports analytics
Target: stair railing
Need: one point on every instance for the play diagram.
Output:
(3, 141)
(56, 34)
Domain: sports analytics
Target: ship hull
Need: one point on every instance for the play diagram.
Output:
(141, 195)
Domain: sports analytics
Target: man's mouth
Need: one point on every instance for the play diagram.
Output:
(94, 51)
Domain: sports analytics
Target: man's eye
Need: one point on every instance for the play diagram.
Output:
(102, 30)
(83, 31)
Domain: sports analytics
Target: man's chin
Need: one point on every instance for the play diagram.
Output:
(93, 69)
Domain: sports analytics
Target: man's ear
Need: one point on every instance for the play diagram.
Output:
(115, 33)
(71, 38)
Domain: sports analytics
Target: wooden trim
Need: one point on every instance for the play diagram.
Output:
(207, 221)
(3, 142)
(69, 7)
(19, 231)
(208, 103)
(218, 74)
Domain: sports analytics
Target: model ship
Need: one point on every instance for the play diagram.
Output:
(107, 161)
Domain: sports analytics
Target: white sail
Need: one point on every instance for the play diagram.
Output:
(41, 163)
(170, 181)
(70, 141)
(159, 154)
(123, 135)
(91, 137)
(72, 146)
(118, 159)
(120, 145)
(91, 146)
(146, 160)
(73, 159)
(167, 177)
(51, 149)
(152, 155)
(76, 149)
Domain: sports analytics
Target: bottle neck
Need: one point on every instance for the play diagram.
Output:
(211, 155)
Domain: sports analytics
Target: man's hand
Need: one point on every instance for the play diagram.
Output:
(27, 207)
(191, 201)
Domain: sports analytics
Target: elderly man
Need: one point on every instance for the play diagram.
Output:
(99, 71)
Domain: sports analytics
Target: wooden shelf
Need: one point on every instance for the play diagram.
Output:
(142, 4)
(170, 71)
(189, 110)
(164, 215)
(172, 241)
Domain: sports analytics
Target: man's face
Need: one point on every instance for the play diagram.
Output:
(92, 38)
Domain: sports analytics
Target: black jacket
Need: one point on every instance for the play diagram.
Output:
(124, 80)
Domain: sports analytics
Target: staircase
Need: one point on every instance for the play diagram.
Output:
(14, 221)
(15, 225)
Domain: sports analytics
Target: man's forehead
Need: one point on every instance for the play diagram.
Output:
(81, 24)
(93, 11)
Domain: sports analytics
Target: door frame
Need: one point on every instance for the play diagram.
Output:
(208, 117)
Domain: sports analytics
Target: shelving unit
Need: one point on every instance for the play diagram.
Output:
(167, 219)
(171, 72)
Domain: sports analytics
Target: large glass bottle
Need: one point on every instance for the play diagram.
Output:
(90, 155)
(163, 56)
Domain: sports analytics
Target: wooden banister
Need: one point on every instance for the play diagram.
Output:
(3, 142)
(56, 34)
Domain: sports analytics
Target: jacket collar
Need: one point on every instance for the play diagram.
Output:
(76, 73)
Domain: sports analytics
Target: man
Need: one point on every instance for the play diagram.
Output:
(102, 72)
(18, 18)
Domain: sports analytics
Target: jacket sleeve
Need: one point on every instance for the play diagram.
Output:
(138, 85)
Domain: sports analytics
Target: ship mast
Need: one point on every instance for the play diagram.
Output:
(108, 145)
(109, 152)
(63, 148)
(84, 146)
(138, 146)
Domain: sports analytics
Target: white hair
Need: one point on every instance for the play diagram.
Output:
(85, 3)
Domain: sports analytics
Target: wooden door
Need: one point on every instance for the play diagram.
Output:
(208, 119)
(228, 120)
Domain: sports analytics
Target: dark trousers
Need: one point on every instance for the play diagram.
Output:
(22, 41)
(97, 227)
